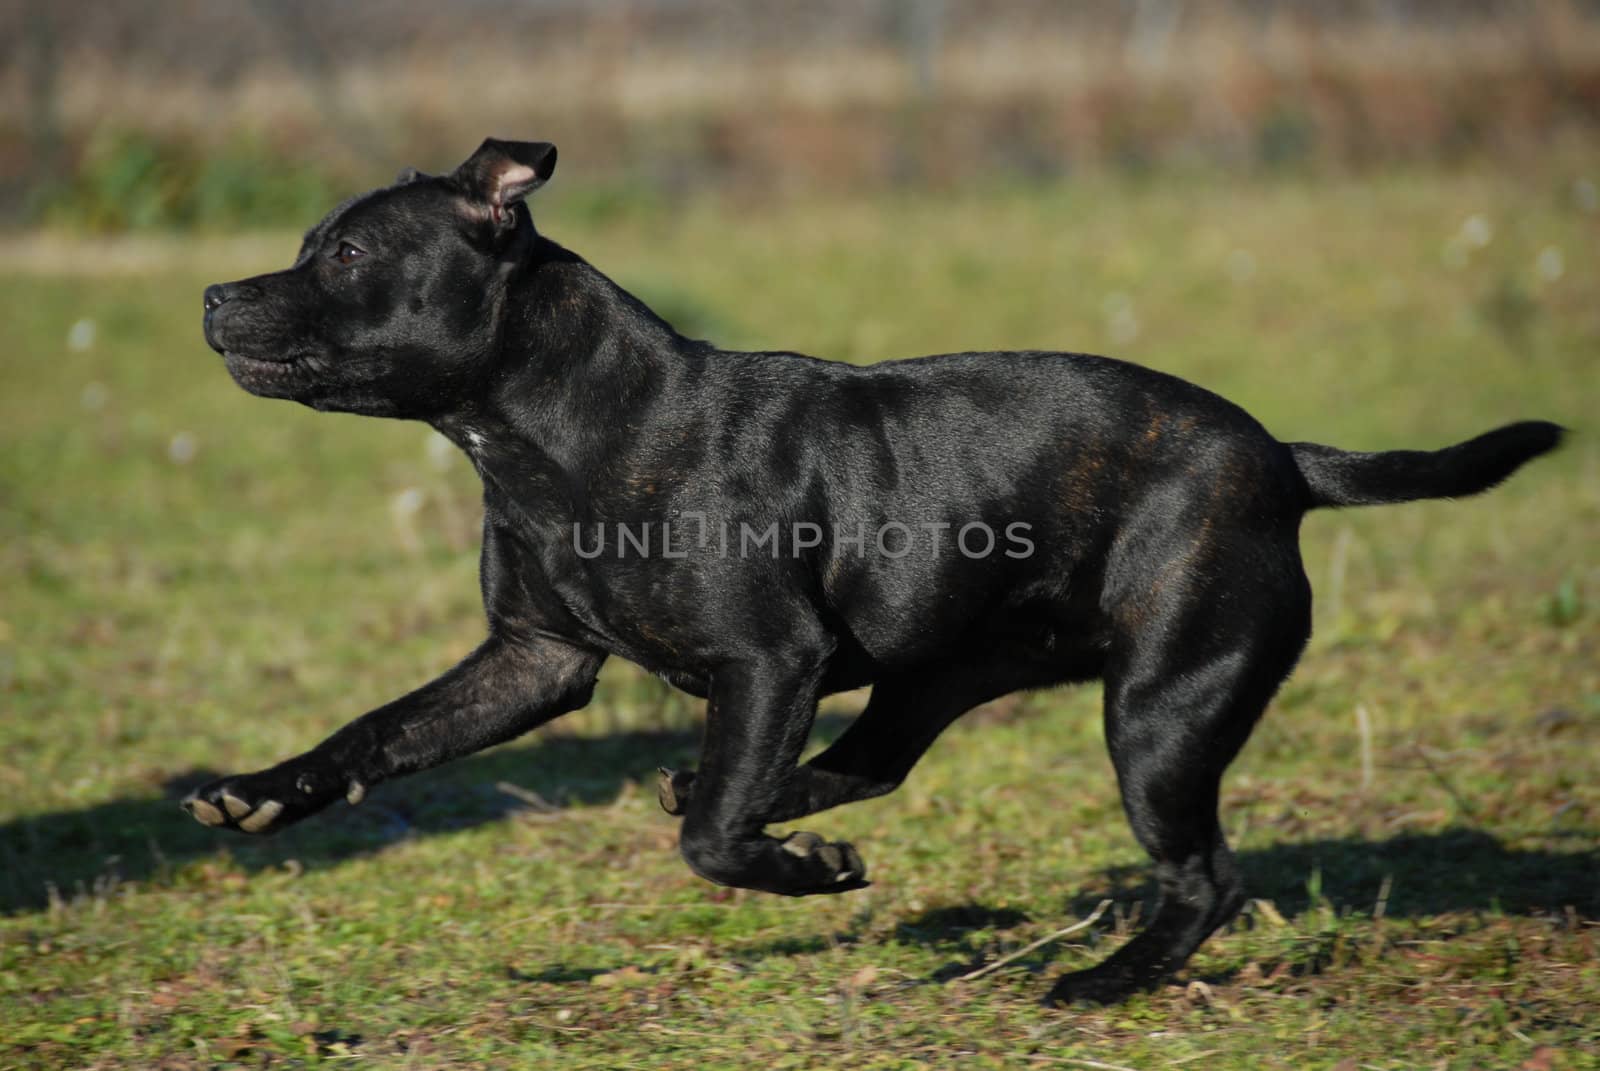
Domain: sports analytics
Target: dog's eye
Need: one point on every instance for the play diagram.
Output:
(348, 253)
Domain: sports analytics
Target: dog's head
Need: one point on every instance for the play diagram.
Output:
(392, 306)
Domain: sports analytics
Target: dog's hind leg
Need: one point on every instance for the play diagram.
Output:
(905, 715)
(1181, 698)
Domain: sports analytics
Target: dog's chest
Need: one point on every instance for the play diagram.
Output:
(534, 574)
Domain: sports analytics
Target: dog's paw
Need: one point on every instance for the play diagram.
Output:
(231, 804)
(1107, 983)
(674, 790)
(268, 801)
(821, 866)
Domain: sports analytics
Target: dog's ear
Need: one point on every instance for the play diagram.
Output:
(408, 174)
(502, 173)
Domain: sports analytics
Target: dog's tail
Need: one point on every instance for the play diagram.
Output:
(1344, 478)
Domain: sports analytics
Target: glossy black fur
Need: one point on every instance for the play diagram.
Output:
(1163, 523)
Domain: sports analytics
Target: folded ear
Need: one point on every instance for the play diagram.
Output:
(408, 174)
(501, 173)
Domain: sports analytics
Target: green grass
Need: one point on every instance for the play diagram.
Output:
(195, 581)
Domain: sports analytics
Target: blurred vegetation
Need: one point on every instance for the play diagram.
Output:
(131, 181)
(197, 115)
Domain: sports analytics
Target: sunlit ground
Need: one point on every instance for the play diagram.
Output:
(195, 581)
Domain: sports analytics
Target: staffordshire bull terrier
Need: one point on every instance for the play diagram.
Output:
(763, 529)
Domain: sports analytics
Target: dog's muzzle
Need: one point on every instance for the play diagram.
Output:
(217, 296)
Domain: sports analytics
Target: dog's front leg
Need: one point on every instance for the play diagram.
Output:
(757, 719)
(503, 689)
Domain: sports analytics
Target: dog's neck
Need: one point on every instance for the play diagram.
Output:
(569, 337)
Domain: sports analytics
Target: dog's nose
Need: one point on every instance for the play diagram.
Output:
(215, 295)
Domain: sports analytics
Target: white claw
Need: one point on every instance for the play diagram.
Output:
(205, 812)
(801, 844)
(235, 806)
(263, 817)
(355, 793)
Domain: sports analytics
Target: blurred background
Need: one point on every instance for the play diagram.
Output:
(126, 114)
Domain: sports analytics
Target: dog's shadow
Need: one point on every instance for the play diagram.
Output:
(73, 853)
(1414, 875)
(76, 852)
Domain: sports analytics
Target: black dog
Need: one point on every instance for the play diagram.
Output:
(763, 529)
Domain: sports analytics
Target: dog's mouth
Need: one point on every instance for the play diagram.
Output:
(233, 357)
(273, 376)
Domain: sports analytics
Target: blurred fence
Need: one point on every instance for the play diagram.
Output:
(128, 113)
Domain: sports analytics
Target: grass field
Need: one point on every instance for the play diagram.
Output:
(194, 581)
